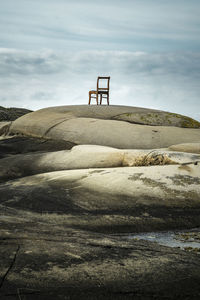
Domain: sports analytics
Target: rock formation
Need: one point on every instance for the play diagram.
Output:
(12, 113)
(186, 147)
(98, 125)
(72, 176)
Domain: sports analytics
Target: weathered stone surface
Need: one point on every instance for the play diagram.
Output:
(4, 128)
(159, 118)
(55, 240)
(95, 125)
(84, 157)
(169, 194)
(131, 114)
(42, 258)
(12, 113)
(21, 144)
(186, 147)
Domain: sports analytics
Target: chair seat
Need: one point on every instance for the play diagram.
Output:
(92, 92)
(99, 92)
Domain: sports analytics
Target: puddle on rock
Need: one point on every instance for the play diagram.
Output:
(185, 240)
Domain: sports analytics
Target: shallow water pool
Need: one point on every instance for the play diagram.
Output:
(182, 239)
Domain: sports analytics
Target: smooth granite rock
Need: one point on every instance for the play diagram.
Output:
(12, 113)
(186, 147)
(85, 157)
(169, 194)
(95, 125)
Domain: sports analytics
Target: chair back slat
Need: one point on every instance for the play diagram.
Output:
(103, 77)
(100, 77)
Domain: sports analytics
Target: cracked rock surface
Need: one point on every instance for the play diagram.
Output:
(43, 258)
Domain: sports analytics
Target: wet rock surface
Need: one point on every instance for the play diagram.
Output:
(186, 240)
(61, 208)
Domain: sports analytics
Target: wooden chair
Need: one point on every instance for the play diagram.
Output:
(102, 91)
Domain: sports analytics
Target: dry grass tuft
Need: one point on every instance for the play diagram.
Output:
(153, 160)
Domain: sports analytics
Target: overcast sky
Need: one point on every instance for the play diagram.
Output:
(51, 52)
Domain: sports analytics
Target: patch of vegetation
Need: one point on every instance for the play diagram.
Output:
(188, 236)
(153, 160)
(191, 249)
(186, 122)
(162, 119)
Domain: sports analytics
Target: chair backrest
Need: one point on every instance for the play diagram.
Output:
(105, 80)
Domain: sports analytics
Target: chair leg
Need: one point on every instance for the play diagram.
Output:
(100, 99)
(97, 98)
(89, 99)
(108, 99)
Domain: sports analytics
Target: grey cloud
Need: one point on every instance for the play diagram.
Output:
(126, 63)
(132, 25)
(24, 63)
(163, 81)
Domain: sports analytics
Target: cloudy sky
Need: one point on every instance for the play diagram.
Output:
(51, 52)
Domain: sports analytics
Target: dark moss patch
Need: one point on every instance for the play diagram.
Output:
(159, 119)
(186, 122)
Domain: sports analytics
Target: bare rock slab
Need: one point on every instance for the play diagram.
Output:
(12, 113)
(99, 126)
(60, 206)
(12, 145)
(43, 259)
(79, 157)
(186, 147)
(116, 199)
